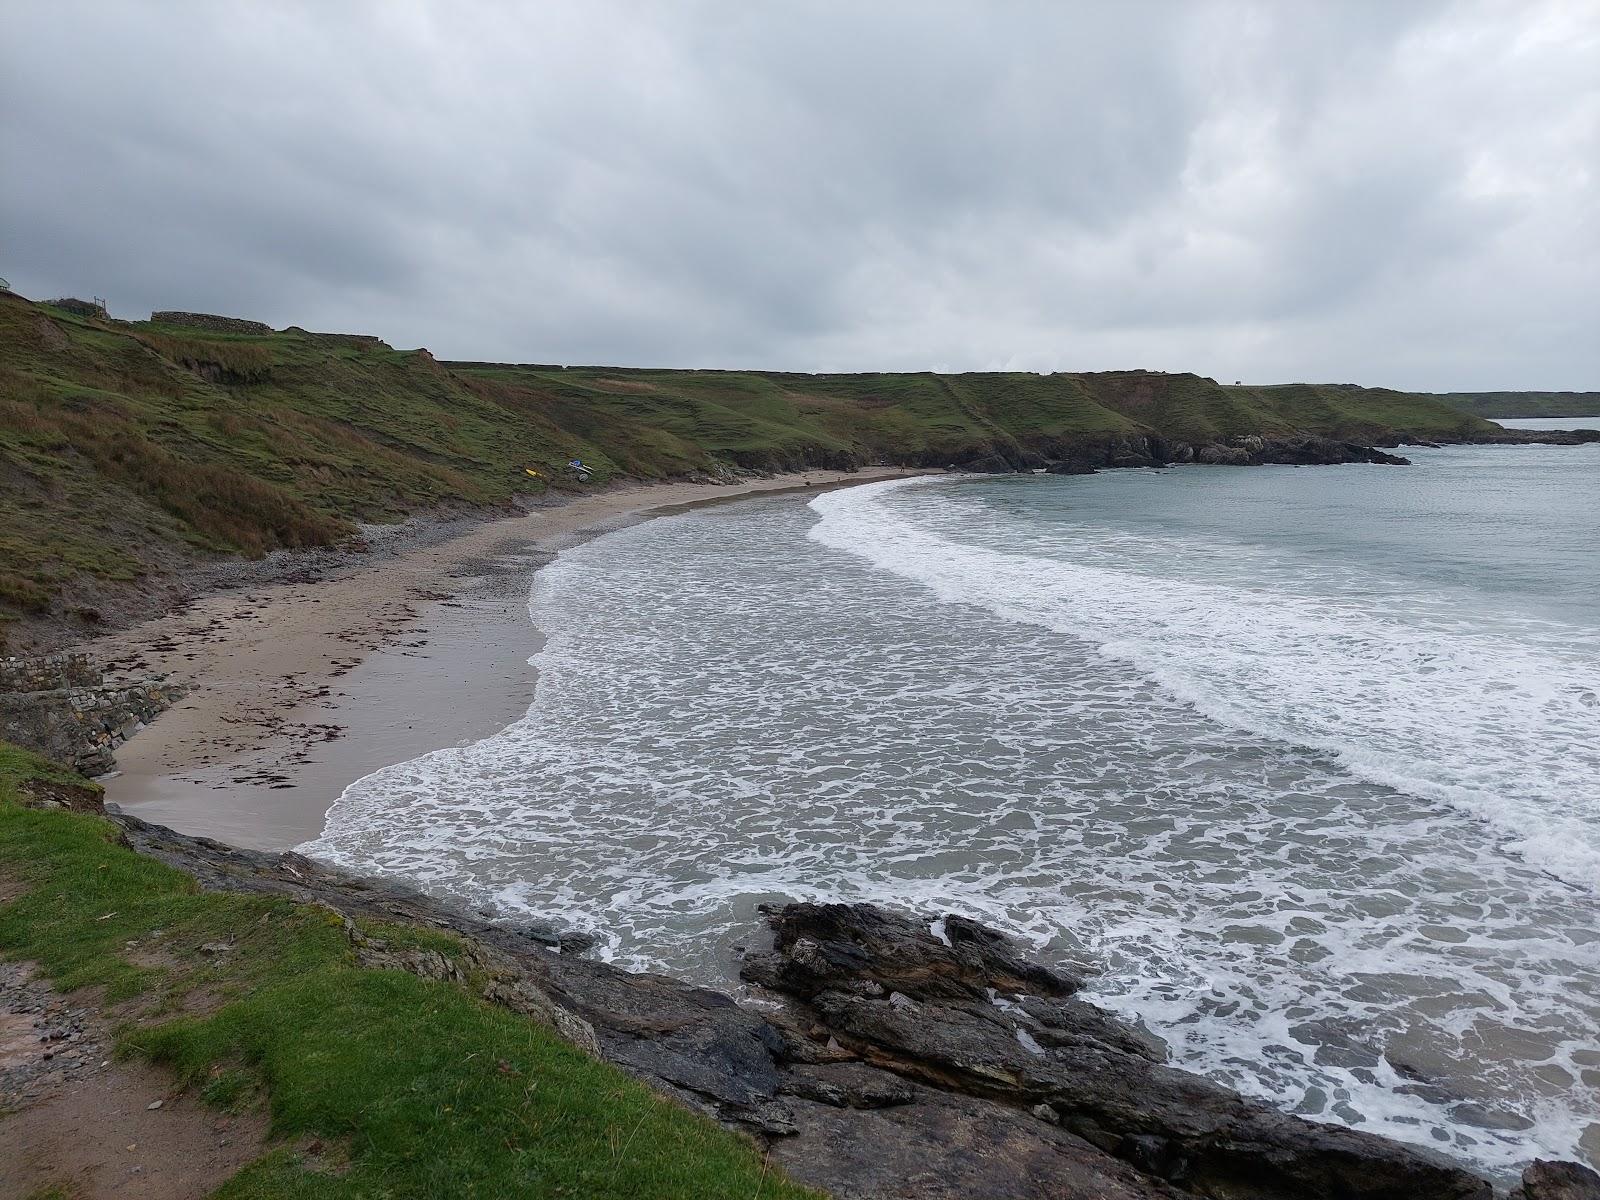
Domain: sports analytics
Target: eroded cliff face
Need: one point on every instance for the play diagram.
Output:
(881, 1054)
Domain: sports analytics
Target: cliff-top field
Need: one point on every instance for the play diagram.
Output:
(129, 450)
(1525, 404)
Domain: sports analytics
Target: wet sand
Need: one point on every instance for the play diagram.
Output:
(299, 689)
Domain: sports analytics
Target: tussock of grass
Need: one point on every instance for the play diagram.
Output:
(23, 594)
(219, 359)
(432, 1091)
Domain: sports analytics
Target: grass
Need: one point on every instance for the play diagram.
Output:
(1526, 404)
(127, 447)
(427, 1090)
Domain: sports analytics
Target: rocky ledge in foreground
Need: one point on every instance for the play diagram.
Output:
(882, 1055)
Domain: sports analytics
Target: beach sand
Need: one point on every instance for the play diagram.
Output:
(299, 689)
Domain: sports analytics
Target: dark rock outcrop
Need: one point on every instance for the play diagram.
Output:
(1318, 451)
(1297, 451)
(965, 1014)
(870, 952)
(1536, 437)
(1544, 1180)
(1086, 453)
(1214, 454)
(887, 1056)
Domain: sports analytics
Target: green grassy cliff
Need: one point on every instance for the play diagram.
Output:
(413, 1087)
(1525, 404)
(129, 449)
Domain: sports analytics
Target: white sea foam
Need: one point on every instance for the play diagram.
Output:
(1504, 723)
(729, 713)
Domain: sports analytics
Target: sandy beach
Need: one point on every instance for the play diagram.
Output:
(299, 689)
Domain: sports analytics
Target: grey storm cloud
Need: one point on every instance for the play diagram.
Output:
(1400, 193)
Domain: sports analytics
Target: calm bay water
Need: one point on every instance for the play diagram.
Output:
(1550, 422)
(1304, 763)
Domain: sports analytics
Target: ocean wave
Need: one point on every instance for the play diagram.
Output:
(1504, 725)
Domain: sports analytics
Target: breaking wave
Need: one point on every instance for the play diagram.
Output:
(1503, 723)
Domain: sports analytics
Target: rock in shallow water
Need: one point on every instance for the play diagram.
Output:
(1545, 1180)
(883, 987)
(861, 948)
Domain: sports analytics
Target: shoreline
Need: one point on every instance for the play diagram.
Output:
(298, 689)
(490, 584)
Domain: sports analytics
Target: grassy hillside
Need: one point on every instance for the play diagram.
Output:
(128, 449)
(423, 1088)
(1525, 404)
(771, 418)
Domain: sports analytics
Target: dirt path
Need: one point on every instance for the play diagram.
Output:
(74, 1118)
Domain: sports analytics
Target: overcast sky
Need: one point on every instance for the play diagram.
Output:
(1387, 192)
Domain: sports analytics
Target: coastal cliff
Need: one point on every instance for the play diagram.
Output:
(135, 454)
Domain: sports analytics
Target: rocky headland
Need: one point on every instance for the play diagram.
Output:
(1081, 454)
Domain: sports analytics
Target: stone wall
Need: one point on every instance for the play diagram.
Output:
(209, 321)
(81, 308)
(66, 709)
(48, 673)
(361, 341)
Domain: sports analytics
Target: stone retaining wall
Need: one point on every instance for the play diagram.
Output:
(209, 321)
(48, 673)
(361, 341)
(64, 708)
(81, 308)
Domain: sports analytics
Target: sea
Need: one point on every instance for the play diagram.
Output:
(1302, 764)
